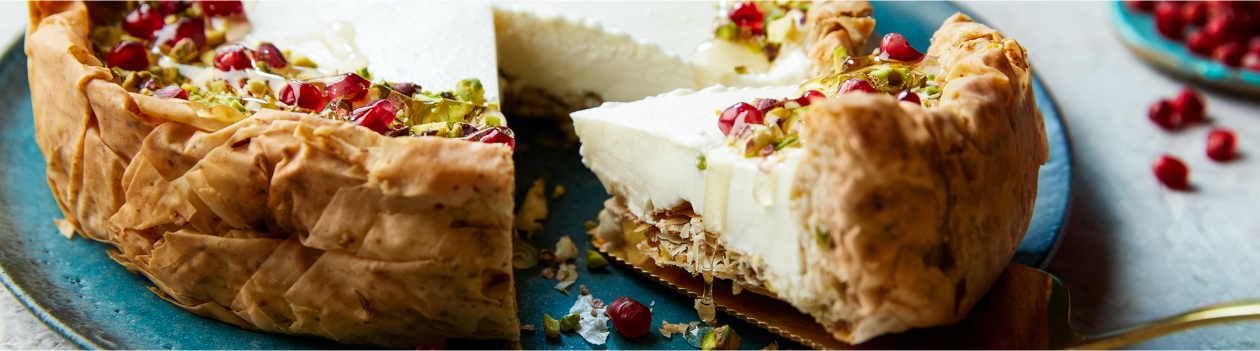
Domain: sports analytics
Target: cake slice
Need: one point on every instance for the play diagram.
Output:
(892, 202)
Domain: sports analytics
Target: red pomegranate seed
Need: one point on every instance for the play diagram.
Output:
(1253, 45)
(350, 87)
(194, 29)
(898, 48)
(1141, 6)
(856, 84)
(736, 115)
(631, 318)
(167, 7)
(171, 91)
(222, 8)
(1171, 171)
(1165, 115)
(1168, 20)
(1222, 28)
(747, 15)
(128, 55)
(1188, 106)
(1200, 42)
(1251, 61)
(142, 22)
(1194, 13)
(269, 54)
(1221, 144)
(1230, 53)
(496, 135)
(809, 96)
(376, 115)
(302, 94)
(908, 96)
(233, 57)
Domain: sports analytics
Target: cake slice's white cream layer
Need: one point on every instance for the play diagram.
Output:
(646, 151)
(434, 44)
(573, 56)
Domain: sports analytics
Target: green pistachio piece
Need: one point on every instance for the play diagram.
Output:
(595, 260)
(838, 56)
(303, 61)
(217, 86)
(570, 322)
(932, 92)
(493, 121)
(189, 87)
(931, 77)
(710, 341)
(184, 51)
(824, 239)
(215, 37)
(701, 164)
(551, 326)
(727, 32)
(256, 87)
(590, 225)
(236, 104)
(470, 90)
(785, 142)
(781, 29)
(364, 73)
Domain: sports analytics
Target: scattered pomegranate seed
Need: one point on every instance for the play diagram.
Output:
(1188, 106)
(631, 318)
(1221, 144)
(1141, 6)
(1230, 53)
(1253, 45)
(376, 115)
(908, 96)
(167, 7)
(268, 53)
(172, 91)
(856, 84)
(1251, 61)
(747, 15)
(1165, 115)
(809, 96)
(1168, 20)
(302, 94)
(233, 57)
(1194, 13)
(222, 8)
(142, 22)
(128, 55)
(1222, 28)
(1172, 172)
(194, 29)
(898, 48)
(736, 115)
(1200, 42)
(349, 87)
(496, 135)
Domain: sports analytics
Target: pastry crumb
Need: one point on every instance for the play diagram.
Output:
(533, 210)
(567, 275)
(65, 227)
(669, 329)
(548, 273)
(558, 192)
(583, 289)
(529, 327)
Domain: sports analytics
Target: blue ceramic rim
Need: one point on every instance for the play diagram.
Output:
(1175, 56)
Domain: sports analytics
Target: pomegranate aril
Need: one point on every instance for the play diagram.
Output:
(1230, 53)
(193, 29)
(1253, 45)
(221, 8)
(1222, 144)
(748, 16)
(856, 84)
(233, 57)
(349, 87)
(1194, 13)
(302, 94)
(269, 54)
(898, 48)
(1141, 6)
(736, 116)
(376, 115)
(809, 96)
(1188, 106)
(496, 135)
(142, 22)
(1168, 20)
(1222, 28)
(1165, 115)
(172, 91)
(908, 96)
(128, 55)
(167, 7)
(631, 317)
(1251, 61)
(1171, 171)
(1200, 42)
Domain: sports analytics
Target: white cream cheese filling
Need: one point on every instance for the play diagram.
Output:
(647, 152)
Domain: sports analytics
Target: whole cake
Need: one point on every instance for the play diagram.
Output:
(254, 186)
(888, 193)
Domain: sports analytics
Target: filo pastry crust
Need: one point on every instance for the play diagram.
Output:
(836, 23)
(924, 206)
(280, 222)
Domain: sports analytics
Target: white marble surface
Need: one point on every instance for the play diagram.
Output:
(1134, 251)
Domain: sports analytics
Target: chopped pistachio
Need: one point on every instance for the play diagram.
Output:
(364, 73)
(595, 260)
(256, 87)
(932, 91)
(701, 164)
(470, 90)
(591, 225)
(570, 322)
(551, 326)
(931, 77)
(493, 121)
(217, 86)
(838, 56)
(215, 37)
(727, 32)
(303, 61)
(824, 239)
(184, 51)
(782, 144)
(741, 69)
(558, 192)
(236, 104)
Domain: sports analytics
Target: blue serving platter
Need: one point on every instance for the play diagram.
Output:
(1137, 30)
(82, 294)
